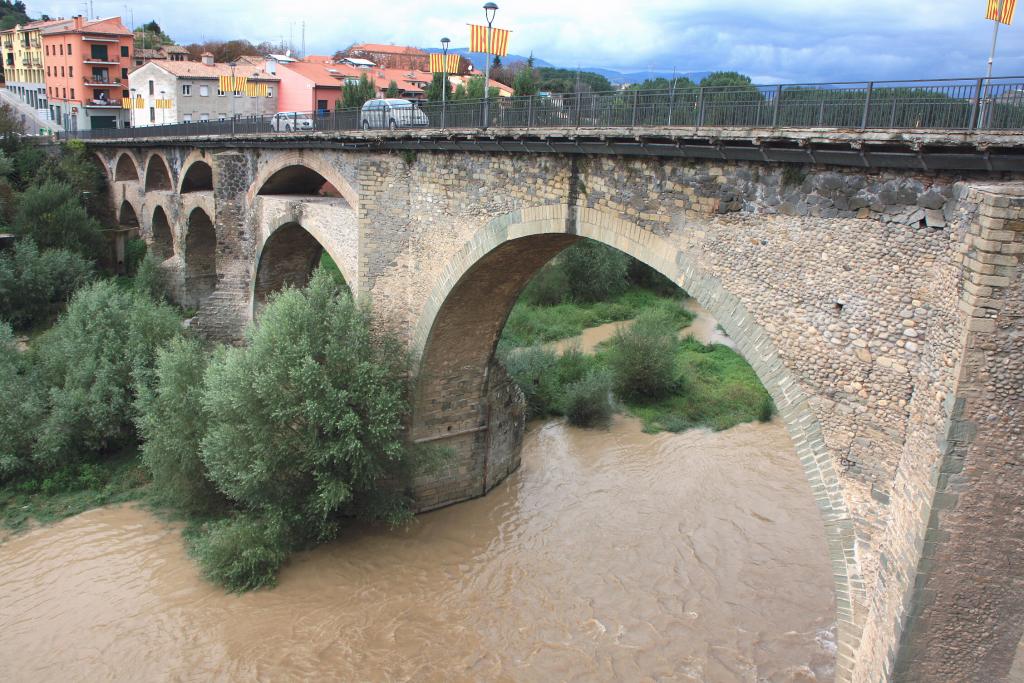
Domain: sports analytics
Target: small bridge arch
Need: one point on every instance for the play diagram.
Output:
(126, 169)
(127, 217)
(162, 235)
(198, 177)
(200, 255)
(297, 174)
(158, 174)
(288, 257)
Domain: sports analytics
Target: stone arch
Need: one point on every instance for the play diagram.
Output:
(457, 332)
(200, 257)
(198, 178)
(158, 174)
(127, 216)
(161, 234)
(288, 257)
(126, 168)
(297, 171)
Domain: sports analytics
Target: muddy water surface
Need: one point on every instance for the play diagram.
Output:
(610, 555)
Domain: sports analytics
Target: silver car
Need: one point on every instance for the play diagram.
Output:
(291, 120)
(392, 113)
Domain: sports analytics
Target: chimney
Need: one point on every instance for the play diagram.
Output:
(78, 21)
(207, 58)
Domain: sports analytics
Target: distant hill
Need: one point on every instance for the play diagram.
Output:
(616, 77)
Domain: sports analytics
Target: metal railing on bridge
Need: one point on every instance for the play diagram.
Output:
(951, 104)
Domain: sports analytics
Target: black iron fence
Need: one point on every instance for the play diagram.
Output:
(952, 104)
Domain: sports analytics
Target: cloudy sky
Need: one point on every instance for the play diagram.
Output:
(771, 40)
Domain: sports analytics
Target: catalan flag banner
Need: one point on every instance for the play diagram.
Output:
(233, 83)
(256, 89)
(478, 40)
(164, 104)
(137, 103)
(437, 64)
(1001, 11)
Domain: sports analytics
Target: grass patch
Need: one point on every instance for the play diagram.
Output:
(717, 389)
(72, 490)
(529, 325)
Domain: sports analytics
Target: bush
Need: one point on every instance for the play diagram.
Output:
(35, 285)
(172, 423)
(595, 271)
(52, 216)
(586, 401)
(642, 275)
(549, 287)
(134, 255)
(306, 422)
(89, 362)
(243, 552)
(22, 405)
(642, 358)
(535, 371)
(150, 280)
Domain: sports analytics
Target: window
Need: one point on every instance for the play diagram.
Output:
(124, 73)
(124, 93)
(204, 91)
(186, 89)
(62, 72)
(61, 49)
(152, 114)
(220, 93)
(72, 93)
(151, 88)
(270, 92)
(204, 117)
(71, 72)
(69, 48)
(124, 50)
(187, 118)
(47, 50)
(47, 71)
(65, 91)
(321, 104)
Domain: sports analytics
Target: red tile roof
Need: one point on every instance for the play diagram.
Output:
(211, 71)
(108, 26)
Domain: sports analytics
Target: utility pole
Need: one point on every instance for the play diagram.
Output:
(303, 38)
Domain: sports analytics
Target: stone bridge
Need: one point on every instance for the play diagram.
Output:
(873, 281)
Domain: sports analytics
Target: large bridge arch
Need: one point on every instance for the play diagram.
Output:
(200, 255)
(274, 177)
(288, 256)
(456, 336)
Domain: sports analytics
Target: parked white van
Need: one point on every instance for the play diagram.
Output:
(291, 120)
(392, 113)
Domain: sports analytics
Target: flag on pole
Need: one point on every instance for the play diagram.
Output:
(164, 104)
(137, 103)
(233, 83)
(478, 40)
(1006, 17)
(437, 63)
(256, 89)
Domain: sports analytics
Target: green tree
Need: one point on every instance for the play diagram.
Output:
(52, 216)
(595, 272)
(35, 285)
(172, 423)
(22, 406)
(720, 79)
(392, 91)
(565, 80)
(89, 362)
(642, 358)
(437, 85)
(732, 100)
(526, 81)
(355, 95)
(475, 89)
(306, 421)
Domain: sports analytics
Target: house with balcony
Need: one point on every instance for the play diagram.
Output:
(192, 89)
(86, 72)
(24, 70)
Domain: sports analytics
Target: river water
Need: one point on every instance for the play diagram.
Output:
(610, 555)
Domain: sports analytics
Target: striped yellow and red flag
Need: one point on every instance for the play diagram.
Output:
(1006, 15)
(437, 63)
(478, 40)
(233, 83)
(137, 103)
(164, 104)
(256, 89)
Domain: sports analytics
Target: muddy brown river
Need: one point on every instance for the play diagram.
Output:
(610, 555)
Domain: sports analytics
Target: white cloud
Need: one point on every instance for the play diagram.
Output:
(787, 39)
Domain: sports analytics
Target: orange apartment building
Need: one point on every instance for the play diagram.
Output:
(87, 64)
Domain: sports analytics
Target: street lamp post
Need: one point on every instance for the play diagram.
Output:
(163, 107)
(233, 86)
(131, 108)
(490, 9)
(444, 79)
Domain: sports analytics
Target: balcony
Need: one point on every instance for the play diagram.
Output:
(8, 45)
(101, 82)
(104, 62)
(102, 104)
